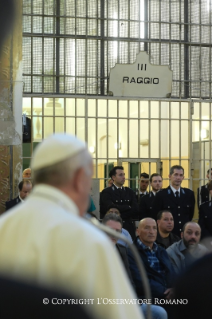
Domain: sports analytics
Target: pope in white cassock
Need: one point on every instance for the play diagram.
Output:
(46, 241)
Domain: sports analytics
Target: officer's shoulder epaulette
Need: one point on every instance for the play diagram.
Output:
(209, 203)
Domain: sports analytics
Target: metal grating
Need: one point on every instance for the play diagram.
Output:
(69, 46)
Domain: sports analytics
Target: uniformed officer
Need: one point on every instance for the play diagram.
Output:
(123, 197)
(146, 202)
(180, 201)
(205, 215)
(144, 183)
(203, 192)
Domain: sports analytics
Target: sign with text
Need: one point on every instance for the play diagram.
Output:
(141, 79)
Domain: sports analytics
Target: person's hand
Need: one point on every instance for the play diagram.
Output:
(169, 293)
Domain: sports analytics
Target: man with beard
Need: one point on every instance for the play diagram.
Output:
(183, 253)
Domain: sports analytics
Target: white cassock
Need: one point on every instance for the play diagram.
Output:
(46, 241)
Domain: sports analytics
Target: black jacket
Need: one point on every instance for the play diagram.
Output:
(11, 203)
(123, 254)
(145, 205)
(202, 195)
(124, 199)
(172, 239)
(182, 209)
(205, 219)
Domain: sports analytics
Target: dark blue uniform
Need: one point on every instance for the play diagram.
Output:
(145, 205)
(124, 199)
(205, 219)
(182, 208)
(11, 203)
(202, 195)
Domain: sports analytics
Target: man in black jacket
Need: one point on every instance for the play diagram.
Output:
(165, 237)
(123, 197)
(203, 191)
(25, 188)
(146, 202)
(205, 216)
(144, 183)
(180, 201)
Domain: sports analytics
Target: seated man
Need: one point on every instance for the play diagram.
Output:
(25, 188)
(183, 253)
(165, 237)
(114, 221)
(114, 210)
(156, 262)
(26, 173)
(195, 286)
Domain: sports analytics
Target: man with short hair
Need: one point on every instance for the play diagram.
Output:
(184, 252)
(156, 262)
(180, 201)
(47, 241)
(203, 192)
(114, 221)
(146, 202)
(144, 183)
(165, 222)
(27, 173)
(123, 197)
(114, 210)
(25, 188)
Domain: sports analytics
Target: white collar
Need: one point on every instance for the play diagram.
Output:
(20, 198)
(117, 186)
(174, 190)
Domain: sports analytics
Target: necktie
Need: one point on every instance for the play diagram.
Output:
(177, 194)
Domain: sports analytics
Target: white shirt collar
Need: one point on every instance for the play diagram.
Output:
(21, 199)
(174, 190)
(144, 193)
(117, 186)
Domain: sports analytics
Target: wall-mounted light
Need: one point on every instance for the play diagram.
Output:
(117, 146)
(144, 142)
(204, 134)
(92, 149)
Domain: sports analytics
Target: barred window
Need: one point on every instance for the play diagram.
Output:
(69, 46)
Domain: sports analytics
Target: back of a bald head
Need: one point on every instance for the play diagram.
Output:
(58, 158)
